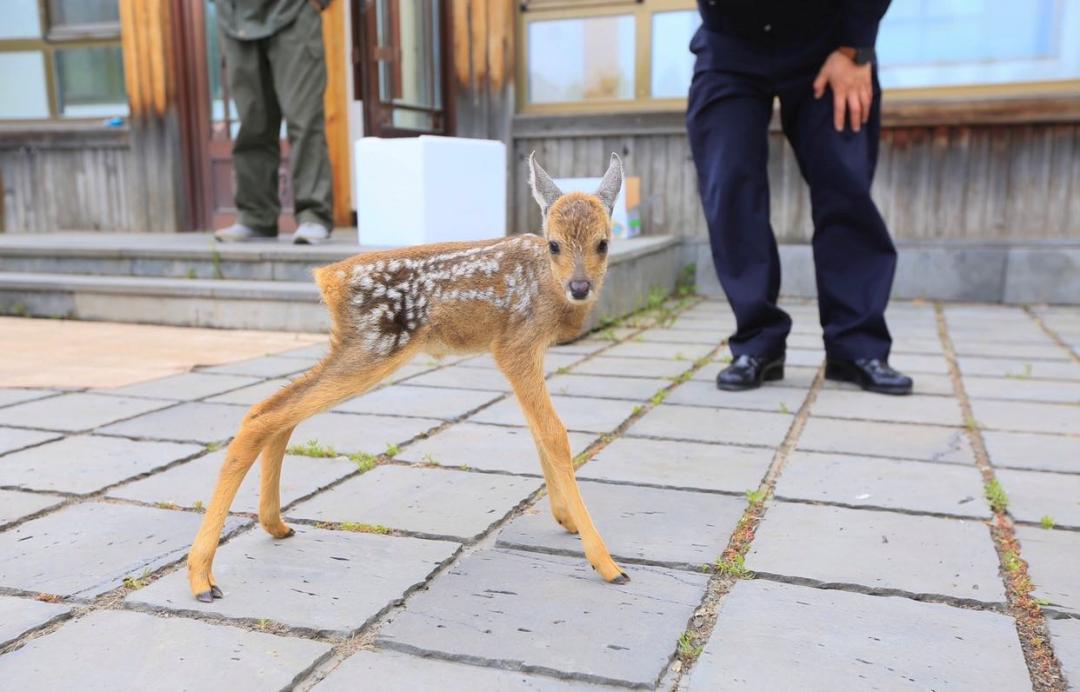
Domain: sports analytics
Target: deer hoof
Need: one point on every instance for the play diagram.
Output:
(205, 597)
(215, 592)
(621, 579)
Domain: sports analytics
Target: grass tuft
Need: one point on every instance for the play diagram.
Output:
(1047, 521)
(135, 583)
(996, 496)
(363, 528)
(734, 566)
(364, 461)
(312, 448)
(688, 650)
(755, 497)
(392, 450)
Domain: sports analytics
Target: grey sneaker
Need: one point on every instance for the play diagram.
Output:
(309, 233)
(239, 233)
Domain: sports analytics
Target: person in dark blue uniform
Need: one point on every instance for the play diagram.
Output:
(817, 57)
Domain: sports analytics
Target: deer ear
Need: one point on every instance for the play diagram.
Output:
(544, 189)
(612, 183)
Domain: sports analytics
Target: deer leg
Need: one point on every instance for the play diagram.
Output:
(270, 486)
(328, 383)
(526, 376)
(555, 498)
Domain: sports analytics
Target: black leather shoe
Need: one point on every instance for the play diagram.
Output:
(871, 374)
(748, 372)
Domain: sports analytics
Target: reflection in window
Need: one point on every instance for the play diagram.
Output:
(672, 61)
(90, 81)
(67, 13)
(581, 59)
(22, 82)
(19, 19)
(926, 43)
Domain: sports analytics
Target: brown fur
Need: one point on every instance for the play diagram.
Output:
(508, 296)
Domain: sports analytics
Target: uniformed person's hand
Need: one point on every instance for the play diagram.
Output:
(852, 88)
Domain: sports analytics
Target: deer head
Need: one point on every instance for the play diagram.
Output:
(577, 227)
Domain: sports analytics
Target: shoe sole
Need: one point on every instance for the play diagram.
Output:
(772, 374)
(842, 375)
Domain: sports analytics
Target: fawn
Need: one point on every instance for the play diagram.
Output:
(513, 296)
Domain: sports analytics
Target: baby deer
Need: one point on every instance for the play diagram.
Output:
(513, 297)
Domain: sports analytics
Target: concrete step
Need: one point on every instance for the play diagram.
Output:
(635, 268)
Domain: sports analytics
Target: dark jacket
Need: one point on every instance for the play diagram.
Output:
(251, 20)
(855, 22)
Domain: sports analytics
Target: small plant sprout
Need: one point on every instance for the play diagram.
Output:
(392, 450)
(581, 459)
(971, 424)
(636, 410)
(198, 506)
(1047, 521)
(312, 448)
(688, 651)
(1012, 561)
(784, 408)
(996, 496)
(364, 461)
(363, 528)
(429, 460)
(734, 566)
(134, 583)
(166, 505)
(658, 398)
(562, 371)
(755, 497)
(213, 446)
(725, 359)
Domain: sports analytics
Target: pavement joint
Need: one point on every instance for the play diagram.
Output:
(1043, 665)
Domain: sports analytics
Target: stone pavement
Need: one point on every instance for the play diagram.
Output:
(802, 536)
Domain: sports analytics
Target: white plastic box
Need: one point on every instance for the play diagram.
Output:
(416, 190)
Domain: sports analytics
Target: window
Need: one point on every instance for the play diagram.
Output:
(929, 43)
(61, 59)
(595, 55)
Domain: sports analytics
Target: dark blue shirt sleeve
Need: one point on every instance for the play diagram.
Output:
(859, 20)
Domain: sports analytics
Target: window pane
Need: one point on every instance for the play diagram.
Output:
(672, 61)
(79, 12)
(22, 82)
(411, 28)
(581, 59)
(19, 19)
(413, 120)
(925, 43)
(90, 82)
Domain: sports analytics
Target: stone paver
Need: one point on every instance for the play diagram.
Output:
(548, 612)
(581, 347)
(803, 358)
(775, 399)
(899, 440)
(672, 527)
(307, 353)
(1037, 494)
(457, 377)
(1019, 369)
(15, 505)
(267, 366)
(1053, 558)
(680, 336)
(87, 549)
(250, 395)
(1022, 390)
(794, 377)
(17, 396)
(487, 447)
(713, 425)
(187, 422)
(1026, 416)
(426, 501)
(20, 615)
(855, 481)
(327, 581)
(1065, 637)
(882, 551)
(17, 438)
(653, 349)
(1033, 451)
(577, 413)
(185, 387)
(772, 636)
(84, 464)
(678, 464)
(391, 670)
(934, 410)
(76, 411)
(1019, 351)
(637, 367)
(120, 650)
(630, 388)
(423, 402)
(916, 364)
(349, 433)
(552, 361)
(193, 482)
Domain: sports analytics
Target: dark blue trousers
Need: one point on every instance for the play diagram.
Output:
(729, 109)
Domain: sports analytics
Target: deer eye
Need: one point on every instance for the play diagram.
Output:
(601, 247)
(554, 247)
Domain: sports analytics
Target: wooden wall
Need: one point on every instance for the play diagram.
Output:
(934, 182)
(70, 180)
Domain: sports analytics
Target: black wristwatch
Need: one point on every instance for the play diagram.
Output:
(864, 56)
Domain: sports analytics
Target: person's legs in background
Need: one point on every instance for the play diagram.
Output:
(854, 257)
(256, 148)
(727, 120)
(299, 75)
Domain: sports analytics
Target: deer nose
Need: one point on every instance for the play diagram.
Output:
(580, 289)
